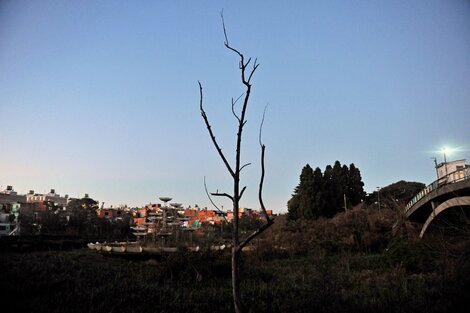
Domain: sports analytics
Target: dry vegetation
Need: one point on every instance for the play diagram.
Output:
(350, 263)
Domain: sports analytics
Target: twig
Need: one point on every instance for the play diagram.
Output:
(247, 164)
(241, 193)
(233, 105)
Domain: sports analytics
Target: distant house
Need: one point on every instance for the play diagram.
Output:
(139, 220)
(111, 213)
(9, 195)
(248, 212)
(52, 196)
(10, 204)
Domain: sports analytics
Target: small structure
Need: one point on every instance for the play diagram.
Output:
(449, 172)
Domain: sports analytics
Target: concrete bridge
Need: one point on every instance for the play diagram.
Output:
(447, 193)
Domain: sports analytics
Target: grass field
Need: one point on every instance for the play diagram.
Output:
(86, 281)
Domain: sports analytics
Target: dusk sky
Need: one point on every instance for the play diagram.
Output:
(101, 97)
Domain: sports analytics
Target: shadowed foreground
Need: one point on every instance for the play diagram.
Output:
(86, 281)
(349, 263)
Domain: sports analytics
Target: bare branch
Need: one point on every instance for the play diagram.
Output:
(248, 62)
(254, 235)
(260, 190)
(269, 221)
(218, 194)
(226, 41)
(223, 25)
(247, 164)
(233, 105)
(261, 125)
(209, 128)
(255, 66)
(210, 199)
(241, 193)
(208, 195)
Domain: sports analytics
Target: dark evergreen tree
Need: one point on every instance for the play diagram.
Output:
(319, 204)
(293, 208)
(324, 194)
(339, 186)
(345, 183)
(306, 192)
(356, 187)
(329, 189)
(303, 197)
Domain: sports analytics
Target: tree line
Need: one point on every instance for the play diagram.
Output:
(323, 194)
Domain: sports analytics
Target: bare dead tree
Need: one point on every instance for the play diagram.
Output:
(237, 242)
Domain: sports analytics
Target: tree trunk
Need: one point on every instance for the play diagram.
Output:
(235, 239)
(235, 280)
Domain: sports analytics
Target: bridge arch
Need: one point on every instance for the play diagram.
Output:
(457, 201)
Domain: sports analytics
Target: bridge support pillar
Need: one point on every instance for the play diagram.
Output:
(433, 206)
(457, 201)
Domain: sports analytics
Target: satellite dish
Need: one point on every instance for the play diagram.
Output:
(165, 199)
(175, 205)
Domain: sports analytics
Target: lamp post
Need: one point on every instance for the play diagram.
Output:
(378, 197)
(445, 150)
(435, 166)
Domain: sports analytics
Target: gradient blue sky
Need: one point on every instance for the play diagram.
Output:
(101, 97)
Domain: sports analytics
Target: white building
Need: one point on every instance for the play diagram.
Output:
(448, 172)
(52, 196)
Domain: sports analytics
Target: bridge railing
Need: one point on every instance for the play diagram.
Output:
(450, 178)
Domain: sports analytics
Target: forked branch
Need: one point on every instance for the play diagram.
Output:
(233, 108)
(269, 221)
(243, 64)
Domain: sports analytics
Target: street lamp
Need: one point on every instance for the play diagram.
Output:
(378, 197)
(445, 150)
(435, 166)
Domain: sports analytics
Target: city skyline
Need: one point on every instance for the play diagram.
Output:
(102, 97)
